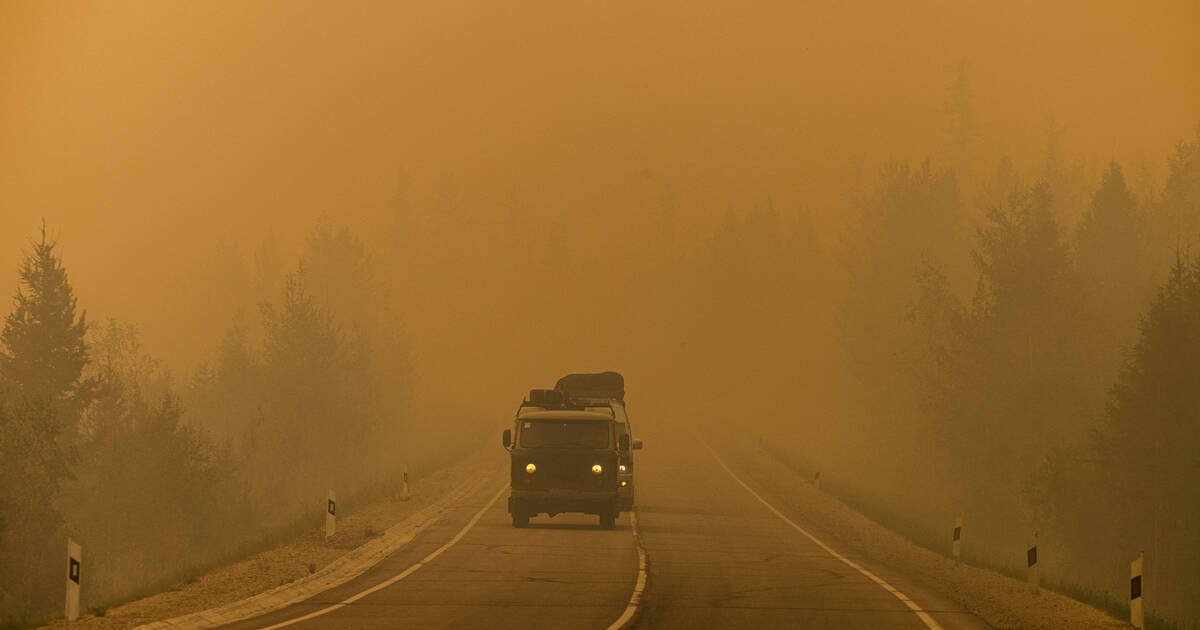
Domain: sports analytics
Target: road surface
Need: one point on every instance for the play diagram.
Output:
(721, 552)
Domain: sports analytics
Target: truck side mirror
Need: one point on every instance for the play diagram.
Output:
(506, 437)
(623, 442)
(637, 445)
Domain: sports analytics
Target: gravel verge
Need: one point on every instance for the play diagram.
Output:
(307, 558)
(999, 600)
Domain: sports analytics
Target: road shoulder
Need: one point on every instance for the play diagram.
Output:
(303, 565)
(998, 600)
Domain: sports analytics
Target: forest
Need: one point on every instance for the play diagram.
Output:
(1020, 350)
(1047, 388)
(159, 478)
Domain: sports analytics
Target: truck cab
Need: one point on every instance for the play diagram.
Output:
(563, 459)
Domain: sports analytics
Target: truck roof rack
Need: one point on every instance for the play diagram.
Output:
(557, 399)
(548, 398)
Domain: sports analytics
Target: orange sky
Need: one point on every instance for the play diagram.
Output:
(146, 132)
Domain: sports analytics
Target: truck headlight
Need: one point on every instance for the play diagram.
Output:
(597, 469)
(621, 468)
(531, 468)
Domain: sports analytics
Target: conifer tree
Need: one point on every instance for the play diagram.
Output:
(1149, 446)
(1111, 228)
(1113, 264)
(42, 356)
(42, 347)
(1018, 373)
(1174, 221)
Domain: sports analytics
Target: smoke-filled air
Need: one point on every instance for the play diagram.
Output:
(904, 298)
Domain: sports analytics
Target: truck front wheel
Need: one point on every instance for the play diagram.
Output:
(608, 519)
(520, 518)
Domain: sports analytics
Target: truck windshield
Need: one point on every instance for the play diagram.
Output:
(552, 433)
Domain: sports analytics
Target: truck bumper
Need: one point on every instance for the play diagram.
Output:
(551, 502)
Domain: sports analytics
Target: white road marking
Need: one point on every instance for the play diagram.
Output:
(924, 616)
(638, 588)
(400, 576)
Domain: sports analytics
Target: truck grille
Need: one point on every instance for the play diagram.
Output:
(567, 471)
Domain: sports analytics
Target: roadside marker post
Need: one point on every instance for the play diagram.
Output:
(404, 485)
(330, 515)
(1137, 613)
(957, 540)
(74, 572)
(1031, 556)
(817, 480)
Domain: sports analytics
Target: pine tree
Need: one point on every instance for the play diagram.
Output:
(42, 356)
(1020, 376)
(1111, 230)
(1174, 221)
(1112, 260)
(42, 347)
(320, 394)
(1149, 446)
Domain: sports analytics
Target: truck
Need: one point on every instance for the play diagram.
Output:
(564, 457)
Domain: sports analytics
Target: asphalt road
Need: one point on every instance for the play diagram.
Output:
(723, 552)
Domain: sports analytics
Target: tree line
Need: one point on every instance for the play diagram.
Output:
(157, 478)
(1050, 385)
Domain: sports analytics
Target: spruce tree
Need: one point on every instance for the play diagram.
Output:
(1019, 375)
(1110, 234)
(1149, 445)
(1114, 266)
(42, 356)
(1174, 221)
(42, 347)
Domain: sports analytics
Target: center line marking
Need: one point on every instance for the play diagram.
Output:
(400, 576)
(638, 588)
(924, 616)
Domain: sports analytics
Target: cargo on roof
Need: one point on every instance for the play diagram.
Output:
(598, 385)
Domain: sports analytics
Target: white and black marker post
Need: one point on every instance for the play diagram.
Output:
(1137, 613)
(330, 515)
(1032, 558)
(74, 571)
(956, 545)
(404, 485)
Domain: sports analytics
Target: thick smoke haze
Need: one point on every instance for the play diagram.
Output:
(149, 133)
(791, 212)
